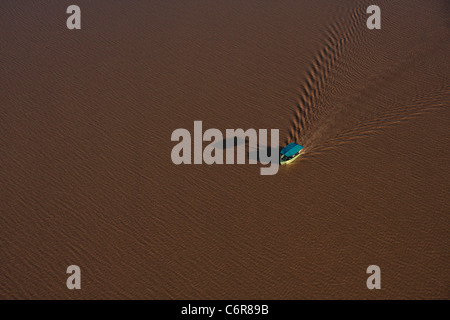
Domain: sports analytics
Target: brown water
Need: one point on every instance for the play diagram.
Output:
(87, 179)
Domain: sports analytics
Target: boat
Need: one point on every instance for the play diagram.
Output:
(291, 152)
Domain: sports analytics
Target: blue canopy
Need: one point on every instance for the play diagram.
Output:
(291, 149)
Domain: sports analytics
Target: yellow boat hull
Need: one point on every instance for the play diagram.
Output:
(291, 160)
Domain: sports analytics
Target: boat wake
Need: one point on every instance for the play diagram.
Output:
(340, 101)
